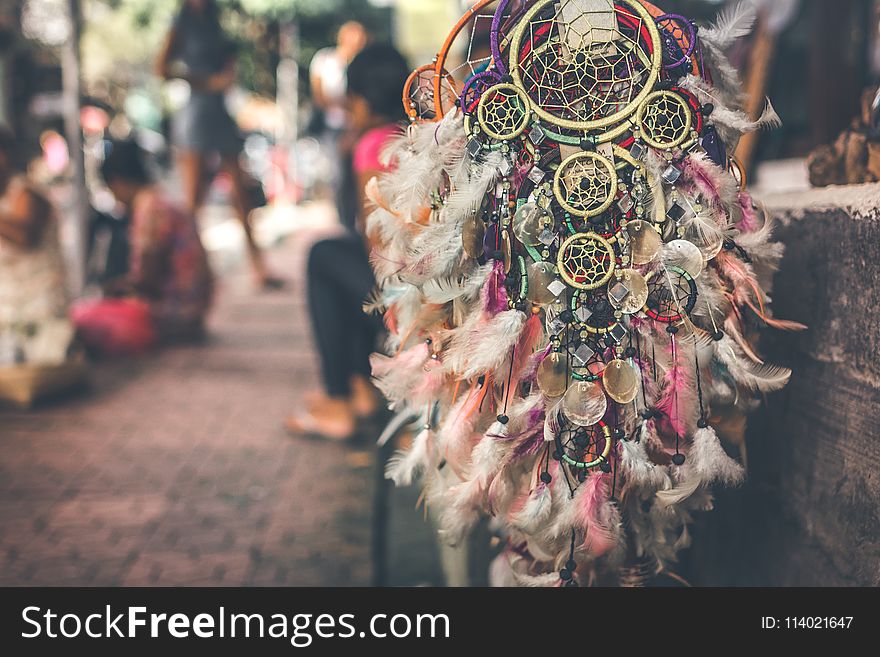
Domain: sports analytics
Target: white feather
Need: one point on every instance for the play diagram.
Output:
(756, 377)
(732, 23)
(707, 458)
(536, 512)
(405, 465)
(638, 470)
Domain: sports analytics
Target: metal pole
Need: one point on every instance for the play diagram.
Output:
(71, 95)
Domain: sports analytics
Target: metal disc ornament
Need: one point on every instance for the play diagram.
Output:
(553, 375)
(621, 381)
(585, 403)
(683, 254)
(541, 276)
(530, 222)
(629, 293)
(644, 242)
(506, 251)
(473, 231)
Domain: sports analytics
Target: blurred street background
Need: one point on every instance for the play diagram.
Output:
(174, 468)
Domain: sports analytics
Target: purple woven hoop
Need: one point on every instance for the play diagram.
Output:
(495, 37)
(686, 26)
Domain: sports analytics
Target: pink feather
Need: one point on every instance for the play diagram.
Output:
(678, 400)
(532, 333)
(709, 179)
(749, 222)
(494, 293)
(593, 513)
(406, 360)
(430, 384)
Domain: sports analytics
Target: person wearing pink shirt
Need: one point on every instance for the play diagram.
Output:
(339, 274)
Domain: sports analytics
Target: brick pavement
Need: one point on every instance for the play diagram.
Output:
(174, 470)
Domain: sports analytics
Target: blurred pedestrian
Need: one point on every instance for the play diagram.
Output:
(197, 50)
(168, 289)
(327, 74)
(340, 277)
(34, 329)
(330, 121)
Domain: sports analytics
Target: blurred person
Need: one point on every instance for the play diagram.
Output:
(328, 82)
(340, 277)
(167, 291)
(327, 75)
(199, 52)
(34, 328)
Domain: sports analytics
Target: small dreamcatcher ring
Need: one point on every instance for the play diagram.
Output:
(503, 112)
(686, 40)
(665, 120)
(606, 450)
(671, 300)
(419, 100)
(585, 184)
(586, 261)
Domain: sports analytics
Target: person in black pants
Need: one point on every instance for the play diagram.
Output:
(340, 277)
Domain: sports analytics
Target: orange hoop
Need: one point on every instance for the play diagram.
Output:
(424, 77)
(440, 61)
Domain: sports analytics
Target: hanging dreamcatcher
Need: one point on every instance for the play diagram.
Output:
(573, 272)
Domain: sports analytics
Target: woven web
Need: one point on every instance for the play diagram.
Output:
(670, 296)
(502, 113)
(665, 120)
(421, 94)
(575, 73)
(583, 444)
(586, 184)
(587, 261)
(476, 48)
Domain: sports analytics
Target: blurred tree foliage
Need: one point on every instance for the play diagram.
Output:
(122, 37)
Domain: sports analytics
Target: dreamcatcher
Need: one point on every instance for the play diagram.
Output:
(577, 311)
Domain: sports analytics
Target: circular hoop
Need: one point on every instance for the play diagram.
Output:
(585, 184)
(586, 261)
(682, 31)
(419, 100)
(606, 433)
(440, 60)
(503, 112)
(670, 301)
(602, 66)
(664, 120)
(495, 36)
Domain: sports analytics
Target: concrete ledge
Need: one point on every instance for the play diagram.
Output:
(810, 511)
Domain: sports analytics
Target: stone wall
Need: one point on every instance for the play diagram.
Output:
(809, 513)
